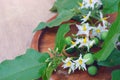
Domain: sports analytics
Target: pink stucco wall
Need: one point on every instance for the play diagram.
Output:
(17, 20)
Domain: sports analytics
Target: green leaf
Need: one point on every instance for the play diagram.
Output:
(29, 66)
(53, 9)
(112, 60)
(65, 13)
(47, 73)
(116, 75)
(110, 41)
(60, 40)
(53, 64)
(40, 26)
(110, 6)
(62, 17)
(66, 5)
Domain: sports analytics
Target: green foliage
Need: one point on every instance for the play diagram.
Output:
(53, 64)
(47, 73)
(112, 60)
(41, 25)
(66, 5)
(53, 9)
(119, 38)
(32, 64)
(70, 50)
(116, 75)
(110, 6)
(60, 40)
(110, 41)
(62, 17)
(65, 11)
(29, 66)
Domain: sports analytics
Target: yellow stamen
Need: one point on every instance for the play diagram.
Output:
(84, 17)
(85, 40)
(105, 18)
(84, 28)
(80, 62)
(90, 1)
(80, 4)
(68, 63)
(72, 42)
(98, 30)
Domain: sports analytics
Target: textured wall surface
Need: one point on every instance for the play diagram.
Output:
(17, 20)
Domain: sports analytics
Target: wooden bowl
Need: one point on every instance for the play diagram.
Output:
(45, 39)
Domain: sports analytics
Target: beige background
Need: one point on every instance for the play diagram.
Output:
(18, 18)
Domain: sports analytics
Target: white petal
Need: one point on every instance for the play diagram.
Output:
(79, 27)
(69, 71)
(101, 15)
(84, 66)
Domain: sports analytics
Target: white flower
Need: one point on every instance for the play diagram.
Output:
(69, 64)
(86, 42)
(77, 41)
(91, 3)
(104, 20)
(80, 63)
(97, 2)
(98, 30)
(85, 18)
(84, 29)
(81, 5)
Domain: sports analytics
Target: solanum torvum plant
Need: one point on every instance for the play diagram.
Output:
(73, 52)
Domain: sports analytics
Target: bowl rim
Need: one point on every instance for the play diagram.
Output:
(37, 35)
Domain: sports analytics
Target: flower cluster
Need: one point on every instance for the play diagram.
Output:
(87, 29)
(75, 64)
(90, 4)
